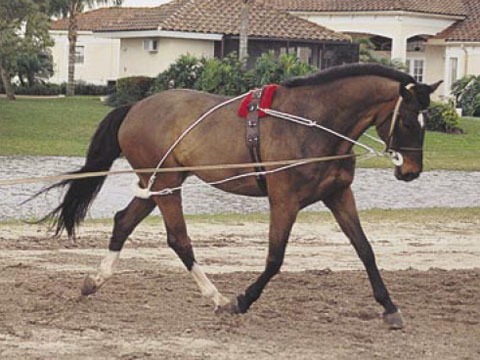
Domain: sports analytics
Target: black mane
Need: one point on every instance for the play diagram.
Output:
(344, 71)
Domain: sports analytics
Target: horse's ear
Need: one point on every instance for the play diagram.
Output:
(435, 86)
(405, 93)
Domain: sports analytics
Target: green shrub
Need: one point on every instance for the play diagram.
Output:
(269, 69)
(83, 88)
(39, 89)
(442, 117)
(49, 89)
(130, 90)
(182, 74)
(467, 94)
(225, 76)
(228, 76)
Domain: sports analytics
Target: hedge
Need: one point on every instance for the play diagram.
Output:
(130, 90)
(49, 89)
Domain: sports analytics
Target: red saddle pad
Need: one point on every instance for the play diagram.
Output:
(265, 101)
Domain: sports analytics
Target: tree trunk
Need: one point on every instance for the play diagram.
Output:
(72, 44)
(243, 47)
(6, 83)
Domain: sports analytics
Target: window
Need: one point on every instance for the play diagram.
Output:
(418, 70)
(79, 54)
(150, 45)
(453, 69)
(304, 53)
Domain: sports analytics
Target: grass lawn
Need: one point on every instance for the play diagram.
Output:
(60, 126)
(442, 151)
(64, 127)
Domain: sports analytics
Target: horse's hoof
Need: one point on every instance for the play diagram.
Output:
(89, 286)
(230, 308)
(394, 320)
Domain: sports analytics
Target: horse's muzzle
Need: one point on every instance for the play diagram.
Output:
(408, 176)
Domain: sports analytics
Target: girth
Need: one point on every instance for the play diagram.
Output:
(253, 137)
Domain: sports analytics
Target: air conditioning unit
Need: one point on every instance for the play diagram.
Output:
(150, 45)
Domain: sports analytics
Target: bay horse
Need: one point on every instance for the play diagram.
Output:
(347, 99)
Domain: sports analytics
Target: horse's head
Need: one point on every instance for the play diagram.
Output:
(403, 129)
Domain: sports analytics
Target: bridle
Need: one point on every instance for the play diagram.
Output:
(394, 153)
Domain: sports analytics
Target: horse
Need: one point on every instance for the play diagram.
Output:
(348, 99)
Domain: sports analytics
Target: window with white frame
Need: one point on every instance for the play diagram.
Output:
(79, 54)
(453, 69)
(416, 68)
(150, 45)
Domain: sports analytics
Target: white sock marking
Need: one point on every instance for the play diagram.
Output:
(206, 287)
(107, 266)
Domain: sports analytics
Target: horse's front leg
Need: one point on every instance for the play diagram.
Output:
(179, 241)
(282, 217)
(342, 205)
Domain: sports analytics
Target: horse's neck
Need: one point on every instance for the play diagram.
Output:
(354, 101)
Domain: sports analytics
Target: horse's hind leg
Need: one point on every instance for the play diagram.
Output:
(178, 240)
(125, 222)
(342, 205)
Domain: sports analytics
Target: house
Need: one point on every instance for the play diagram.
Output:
(436, 39)
(119, 42)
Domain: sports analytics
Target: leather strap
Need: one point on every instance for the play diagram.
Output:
(253, 137)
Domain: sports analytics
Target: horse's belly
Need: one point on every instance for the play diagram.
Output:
(246, 186)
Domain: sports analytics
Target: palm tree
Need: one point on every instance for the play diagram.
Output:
(243, 47)
(71, 9)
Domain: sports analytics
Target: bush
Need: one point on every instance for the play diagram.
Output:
(50, 89)
(225, 77)
(39, 89)
(182, 74)
(228, 75)
(130, 90)
(83, 88)
(269, 69)
(442, 117)
(467, 94)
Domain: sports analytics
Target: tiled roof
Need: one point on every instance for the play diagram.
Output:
(96, 19)
(466, 30)
(444, 7)
(205, 16)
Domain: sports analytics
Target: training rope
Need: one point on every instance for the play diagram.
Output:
(54, 178)
(147, 192)
(284, 164)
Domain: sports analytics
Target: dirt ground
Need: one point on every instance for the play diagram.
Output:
(319, 307)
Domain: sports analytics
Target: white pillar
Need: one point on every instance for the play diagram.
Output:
(399, 48)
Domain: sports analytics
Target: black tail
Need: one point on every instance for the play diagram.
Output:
(102, 152)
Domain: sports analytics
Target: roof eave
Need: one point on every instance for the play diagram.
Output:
(283, 39)
(126, 34)
(381, 12)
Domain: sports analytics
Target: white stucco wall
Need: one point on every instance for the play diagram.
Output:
(435, 68)
(101, 58)
(109, 59)
(135, 60)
